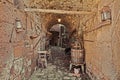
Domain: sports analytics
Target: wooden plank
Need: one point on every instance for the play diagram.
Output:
(42, 52)
(57, 11)
(102, 24)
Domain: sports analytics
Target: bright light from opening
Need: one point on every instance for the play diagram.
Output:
(59, 20)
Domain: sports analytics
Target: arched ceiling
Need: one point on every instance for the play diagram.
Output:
(70, 21)
(62, 4)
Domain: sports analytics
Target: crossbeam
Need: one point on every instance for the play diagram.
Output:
(57, 11)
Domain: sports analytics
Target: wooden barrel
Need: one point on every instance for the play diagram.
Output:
(77, 56)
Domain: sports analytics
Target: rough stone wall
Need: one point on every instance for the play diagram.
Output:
(102, 52)
(18, 53)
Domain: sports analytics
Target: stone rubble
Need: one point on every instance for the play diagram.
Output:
(51, 73)
(56, 70)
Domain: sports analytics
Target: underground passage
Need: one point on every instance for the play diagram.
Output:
(59, 40)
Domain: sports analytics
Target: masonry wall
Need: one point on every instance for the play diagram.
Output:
(18, 53)
(102, 51)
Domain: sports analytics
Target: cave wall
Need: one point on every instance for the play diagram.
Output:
(18, 53)
(102, 51)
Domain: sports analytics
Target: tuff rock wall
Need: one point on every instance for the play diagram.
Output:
(18, 53)
(103, 47)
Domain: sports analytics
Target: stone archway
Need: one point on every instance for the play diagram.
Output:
(60, 35)
(69, 21)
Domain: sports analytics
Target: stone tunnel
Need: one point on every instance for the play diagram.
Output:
(59, 40)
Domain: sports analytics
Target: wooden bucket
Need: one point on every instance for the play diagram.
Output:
(77, 56)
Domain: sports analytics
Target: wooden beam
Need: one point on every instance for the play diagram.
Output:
(102, 24)
(57, 11)
(89, 40)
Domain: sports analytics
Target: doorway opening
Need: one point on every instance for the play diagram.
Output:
(60, 36)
